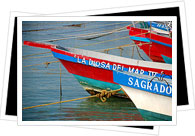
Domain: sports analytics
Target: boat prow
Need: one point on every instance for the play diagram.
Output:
(146, 93)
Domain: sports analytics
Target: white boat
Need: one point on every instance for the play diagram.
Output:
(149, 94)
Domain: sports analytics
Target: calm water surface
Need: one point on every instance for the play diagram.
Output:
(41, 84)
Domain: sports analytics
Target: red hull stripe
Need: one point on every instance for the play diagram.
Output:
(106, 65)
(144, 33)
(88, 71)
(159, 46)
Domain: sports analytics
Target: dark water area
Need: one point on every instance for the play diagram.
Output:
(41, 84)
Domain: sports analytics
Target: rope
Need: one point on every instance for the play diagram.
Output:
(37, 57)
(103, 95)
(102, 42)
(102, 33)
(139, 53)
(118, 47)
(90, 34)
(46, 63)
(36, 54)
(108, 40)
(48, 23)
(55, 28)
(58, 102)
(103, 50)
(92, 28)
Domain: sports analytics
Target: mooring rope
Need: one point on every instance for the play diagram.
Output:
(102, 42)
(103, 97)
(109, 40)
(139, 53)
(102, 33)
(46, 63)
(36, 54)
(119, 47)
(91, 28)
(102, 50)
(37, 57)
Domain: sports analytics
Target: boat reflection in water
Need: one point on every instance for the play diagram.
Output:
(94, 110)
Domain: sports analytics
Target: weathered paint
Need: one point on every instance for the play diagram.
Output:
(143, 83)
(159, 46)
(84, 63)
(97, 84)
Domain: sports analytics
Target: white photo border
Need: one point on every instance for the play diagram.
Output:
(7, 65)
(105, 11)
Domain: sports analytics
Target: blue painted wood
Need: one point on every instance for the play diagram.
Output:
(141, 83)
(159, 26)
(142, 39)
(96, 84)
(167, 59)
(168, 45)
(76, 60)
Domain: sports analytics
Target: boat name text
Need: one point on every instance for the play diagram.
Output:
(117, 67)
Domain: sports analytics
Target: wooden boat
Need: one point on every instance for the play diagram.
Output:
(159, 48)
(150, 95)
(98, 71)
(162, 28)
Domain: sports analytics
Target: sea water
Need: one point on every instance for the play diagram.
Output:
(41, 83)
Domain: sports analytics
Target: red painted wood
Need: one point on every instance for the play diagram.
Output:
(153, 50)
(39, 45)
(167, 72)
(88, 71)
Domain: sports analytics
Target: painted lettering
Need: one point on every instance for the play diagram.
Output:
(136, 83)
(136, 71)
(131, 70)
(90, 62)
(108, 66)
(119, 67)
(103, 65)
(168, 90)
(130, 81)
(114, 67)
(141, 71)
(143, 84)
(155, 88)
(149, 86)
(78, 60)
(162, 88)
(97, 63)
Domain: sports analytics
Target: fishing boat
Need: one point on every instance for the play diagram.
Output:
(148, 95)
(159, 47)
(97, 71)
(159, 27)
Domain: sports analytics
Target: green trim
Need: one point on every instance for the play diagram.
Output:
(96, 84)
